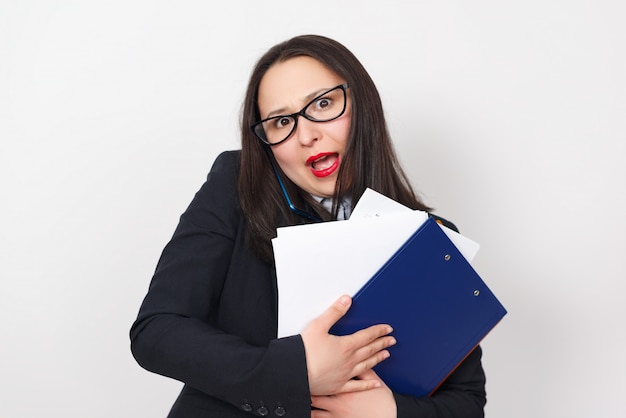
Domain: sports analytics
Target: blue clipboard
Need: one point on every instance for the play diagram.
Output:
(439, 307)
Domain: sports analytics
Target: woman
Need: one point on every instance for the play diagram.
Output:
(314, 138)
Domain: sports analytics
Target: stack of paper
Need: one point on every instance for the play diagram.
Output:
(317, 263)
(403, 269)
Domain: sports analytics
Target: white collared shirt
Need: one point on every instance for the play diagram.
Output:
(345, 207)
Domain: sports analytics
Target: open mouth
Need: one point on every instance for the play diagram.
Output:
(324, 164)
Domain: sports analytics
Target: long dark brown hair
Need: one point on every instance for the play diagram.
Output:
(369, 159)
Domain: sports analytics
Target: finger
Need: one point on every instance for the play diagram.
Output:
(320, 413)
(374, 347)
(368, 374)
(322, 402)
(370, 362)
(334, 313)
(366, 336)
(359, 385)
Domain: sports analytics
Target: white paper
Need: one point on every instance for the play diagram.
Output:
(317, 263)
(373, 204)
(316, 266)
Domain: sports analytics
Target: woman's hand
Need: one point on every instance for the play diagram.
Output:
(334, 361)
(375, 403)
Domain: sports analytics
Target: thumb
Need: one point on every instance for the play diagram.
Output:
(334, 312)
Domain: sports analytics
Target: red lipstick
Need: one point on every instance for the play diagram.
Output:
(323, 164)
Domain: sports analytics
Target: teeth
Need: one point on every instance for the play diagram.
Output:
(319, 163)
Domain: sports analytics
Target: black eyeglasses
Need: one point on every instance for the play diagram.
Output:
(326, 107)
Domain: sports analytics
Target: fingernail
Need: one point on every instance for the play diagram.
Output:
(344, 300)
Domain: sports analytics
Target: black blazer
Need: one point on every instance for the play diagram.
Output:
(209, 319)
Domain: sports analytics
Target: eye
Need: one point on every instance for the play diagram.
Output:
(323, 103)
(282, 122)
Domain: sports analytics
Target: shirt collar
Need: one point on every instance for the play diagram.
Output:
(345, 207)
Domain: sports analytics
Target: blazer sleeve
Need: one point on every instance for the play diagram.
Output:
(461, 395)
(176, 332)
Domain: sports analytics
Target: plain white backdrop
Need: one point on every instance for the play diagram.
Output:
(508, 115)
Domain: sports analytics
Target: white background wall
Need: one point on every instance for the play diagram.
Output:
(509, 117)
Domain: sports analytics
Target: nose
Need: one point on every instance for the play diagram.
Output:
(307, 132)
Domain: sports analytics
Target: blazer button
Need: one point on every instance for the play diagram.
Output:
(280, 411)
(246, 407)
(262, 411)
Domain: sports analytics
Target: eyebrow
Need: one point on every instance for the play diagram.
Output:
(307, 99)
